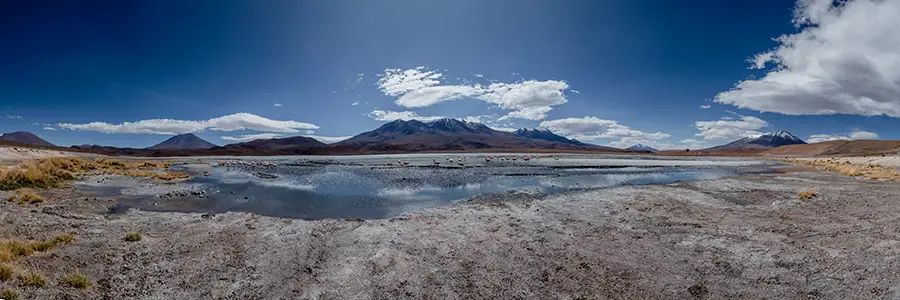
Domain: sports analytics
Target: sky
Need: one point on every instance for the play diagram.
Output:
(668, 74)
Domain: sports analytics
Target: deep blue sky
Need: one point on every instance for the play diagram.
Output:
(646, 64)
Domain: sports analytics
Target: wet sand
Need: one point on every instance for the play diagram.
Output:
(745, 237)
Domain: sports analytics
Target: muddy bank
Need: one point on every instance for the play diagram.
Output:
(746, 237)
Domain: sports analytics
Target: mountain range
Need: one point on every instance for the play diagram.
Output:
(402, 137)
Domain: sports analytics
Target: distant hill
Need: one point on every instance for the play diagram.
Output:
(187, 141)
(450, 135)
(547, 135)
(641, 147)
(850, 148)
(290, 145)
(765, 141)
(25, 138)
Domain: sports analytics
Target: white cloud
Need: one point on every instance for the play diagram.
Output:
(592, 128)
(856, 135)
(576, 91)
(355, 103)
(395, 82)
(238, 121)
(49, 128)
(13, 117)
(730, 129)
(479, 75)
(705, 106)
(844, 60)
(250, 137)
(863, 135)
(277, 104)
(418, 87)
(428, 96)
(530, 99)
(328, 139)
(387, 115)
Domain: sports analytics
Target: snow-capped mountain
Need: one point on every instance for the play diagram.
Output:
(765, 141)
(641, 147)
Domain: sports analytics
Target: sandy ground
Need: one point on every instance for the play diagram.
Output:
(745, 237)
(12, 154)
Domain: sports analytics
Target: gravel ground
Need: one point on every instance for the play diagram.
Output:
(746, 237)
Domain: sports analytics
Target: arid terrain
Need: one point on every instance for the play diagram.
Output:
(745, 237)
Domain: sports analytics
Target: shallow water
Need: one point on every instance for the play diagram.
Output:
(366, 188)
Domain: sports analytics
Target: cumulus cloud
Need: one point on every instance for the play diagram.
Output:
(13, 117)
(355, 103)
(387, 115)
(863, 135)
(419, 87)
(49, 128)
(845, 59)
(250, 137)
(592, 128)
(328, 139)
(705, 106)
(238, 121)
(277, 104)
(479, 75)
(745, 126)
(856, 135)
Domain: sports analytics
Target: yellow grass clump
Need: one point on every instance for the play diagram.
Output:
(8, 294)
(52, 172)
(133, 237)
(171, 176)
(867, 171)
(26, 197)
(32, 279)
(78, 281)
(6, 272)
(807, 195)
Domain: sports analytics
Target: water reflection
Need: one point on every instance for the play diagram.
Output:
(363, 192)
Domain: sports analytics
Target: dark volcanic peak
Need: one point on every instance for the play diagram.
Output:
(187, 141)
(545, 134)
(25, 137)
(766, 141)
(455, 135)
(641, 147)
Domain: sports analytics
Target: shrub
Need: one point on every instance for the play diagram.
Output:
(807, 194)
(6, 272)
(33, 279)
(26, 197)
(133, 237)
(63, 239)
(8, 294)
(78, 281)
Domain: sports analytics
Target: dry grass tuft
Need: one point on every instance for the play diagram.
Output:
(63, 239)
(807, 195)
(78, 281)
(6, 272)
(867, 171)
(171, 176)
(53, 172)
(133, 237)
(26, 197)
(32, 279)
(8, 294)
